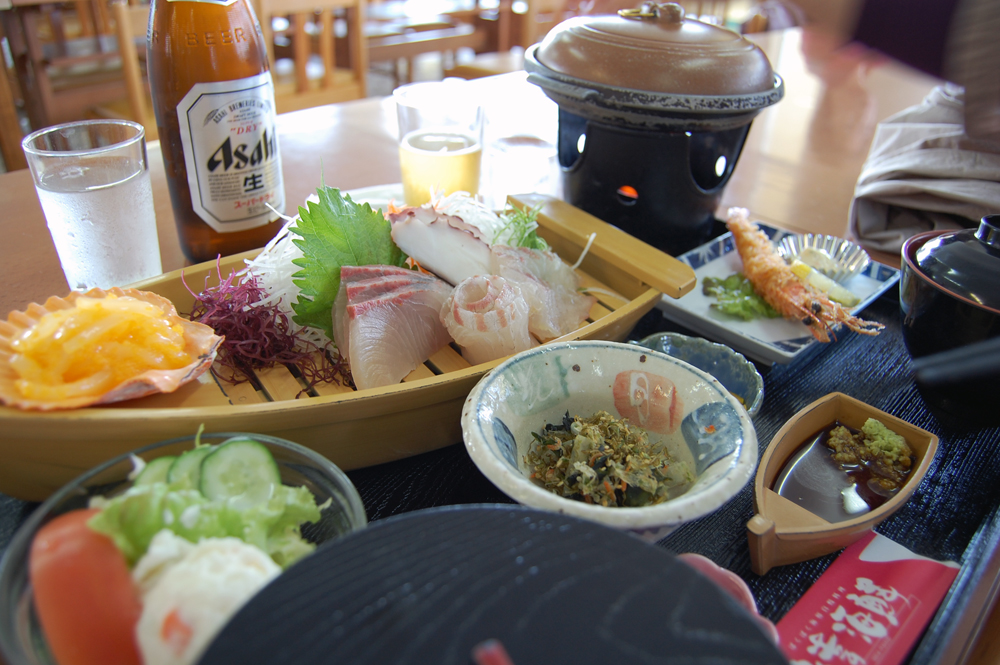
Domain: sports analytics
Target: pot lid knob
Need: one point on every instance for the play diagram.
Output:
(988, 232)
(668, 12)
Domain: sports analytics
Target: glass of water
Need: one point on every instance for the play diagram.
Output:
(92, 180)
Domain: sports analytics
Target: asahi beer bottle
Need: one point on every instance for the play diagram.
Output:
(214, 103)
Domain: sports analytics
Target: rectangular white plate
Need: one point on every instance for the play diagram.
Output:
(765, 340)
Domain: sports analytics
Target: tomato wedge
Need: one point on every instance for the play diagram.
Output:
(84, 595)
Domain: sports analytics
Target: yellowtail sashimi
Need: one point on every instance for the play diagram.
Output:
(385, 325)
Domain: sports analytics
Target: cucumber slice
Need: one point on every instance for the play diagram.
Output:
(155, 471)
(240, 470)
(188, 465)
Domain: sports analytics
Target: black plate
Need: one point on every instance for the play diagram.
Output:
(426, 587)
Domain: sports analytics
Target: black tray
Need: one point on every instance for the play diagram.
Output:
(952, 516)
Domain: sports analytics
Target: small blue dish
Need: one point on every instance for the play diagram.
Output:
(733, 371)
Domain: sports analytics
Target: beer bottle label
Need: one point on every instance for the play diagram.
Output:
(230, 147)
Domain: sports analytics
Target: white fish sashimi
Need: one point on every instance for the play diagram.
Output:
(550, 287)
(443, 244)
(391, 325)
(488, 317)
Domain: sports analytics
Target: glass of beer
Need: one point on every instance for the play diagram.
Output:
(92, 180)
(440, 139)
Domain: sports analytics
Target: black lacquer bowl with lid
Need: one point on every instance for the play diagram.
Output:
(949, 288)
(949, 295)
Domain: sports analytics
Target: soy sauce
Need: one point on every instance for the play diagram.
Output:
(812, 479)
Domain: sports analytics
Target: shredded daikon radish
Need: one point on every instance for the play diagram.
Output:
(590, 290)
(590, 241)
(274, 270)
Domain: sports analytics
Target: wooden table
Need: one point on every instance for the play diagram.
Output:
(797, 170)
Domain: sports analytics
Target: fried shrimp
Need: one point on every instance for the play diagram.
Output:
(774, 280)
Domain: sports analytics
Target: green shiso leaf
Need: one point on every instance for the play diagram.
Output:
(333, 233)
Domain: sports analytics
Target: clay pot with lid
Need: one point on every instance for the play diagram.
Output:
(654, 108)
(949, 288)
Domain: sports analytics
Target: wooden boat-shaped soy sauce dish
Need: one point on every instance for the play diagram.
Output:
(782, 531)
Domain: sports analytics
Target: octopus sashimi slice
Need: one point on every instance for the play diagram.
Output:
(550, 287)
(386, 336)
(443, 244)
(488, 317)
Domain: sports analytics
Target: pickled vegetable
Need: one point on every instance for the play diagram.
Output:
(606, 461)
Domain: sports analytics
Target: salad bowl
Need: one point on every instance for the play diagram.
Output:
(353, 428)
(22, 640)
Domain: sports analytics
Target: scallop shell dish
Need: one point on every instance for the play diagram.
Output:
(99, 347)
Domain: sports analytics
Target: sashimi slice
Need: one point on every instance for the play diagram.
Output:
(362, 277)
(391, 325)
(488, 317)
(550, 287)
(443, 244)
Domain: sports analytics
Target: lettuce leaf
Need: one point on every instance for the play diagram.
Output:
(333, 233)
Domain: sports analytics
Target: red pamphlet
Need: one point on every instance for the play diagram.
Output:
(869, 608)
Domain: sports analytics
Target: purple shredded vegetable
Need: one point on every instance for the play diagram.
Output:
(259, 336)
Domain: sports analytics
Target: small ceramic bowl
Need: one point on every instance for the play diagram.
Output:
(22, 640)
(735, 372)
(848, 258)
(783, 532)
(687, 410)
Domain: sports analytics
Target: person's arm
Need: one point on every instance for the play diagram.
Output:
(958, 40)
(973, 61)
(912, 31)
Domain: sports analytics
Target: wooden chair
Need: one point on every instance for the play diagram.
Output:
(526, 28)
(130, 24)
(10, 124)
(307, 85)
(61, 71)
(398, 33)
(408, 43)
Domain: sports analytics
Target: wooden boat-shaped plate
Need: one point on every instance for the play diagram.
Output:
(782, 532)
(354, 429)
